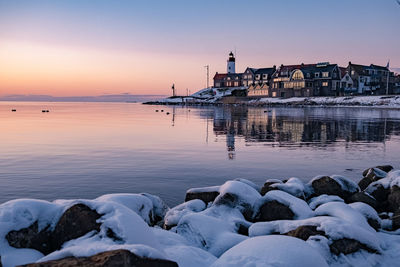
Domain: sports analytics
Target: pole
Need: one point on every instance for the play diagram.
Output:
(387, 82)
(387, 78)
(208, 75)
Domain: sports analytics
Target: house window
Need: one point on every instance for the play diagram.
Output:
(325, 74)
(352, 72)
(257, 76)
(325, 84)
(316, 75)
(264, 76)
(308, 75)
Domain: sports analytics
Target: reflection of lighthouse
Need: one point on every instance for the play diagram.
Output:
(230, 141)
(230, 68)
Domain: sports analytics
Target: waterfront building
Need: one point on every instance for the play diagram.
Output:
(305, 80)
(258, 80)
(371, 80)
(231, 78)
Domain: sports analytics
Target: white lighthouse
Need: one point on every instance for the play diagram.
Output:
(231, 63)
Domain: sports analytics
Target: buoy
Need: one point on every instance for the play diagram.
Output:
(43, 110)
(167, 113)
(13, 110)
(47, 110)
(162, 110)
(156, 110)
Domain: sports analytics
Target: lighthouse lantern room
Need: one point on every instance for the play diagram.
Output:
(231, 63)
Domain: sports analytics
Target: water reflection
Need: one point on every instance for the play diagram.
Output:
(295, 127)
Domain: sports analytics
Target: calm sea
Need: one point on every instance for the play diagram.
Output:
(84, 150)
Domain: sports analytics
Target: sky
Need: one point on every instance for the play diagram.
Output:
(97, 47)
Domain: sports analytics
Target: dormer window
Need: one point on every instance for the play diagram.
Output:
(316, 75)
(325, 74)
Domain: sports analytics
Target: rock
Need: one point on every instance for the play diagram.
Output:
(385, 168)
(329, 186)
(206, 196)
(380, 193)
(121, 258)
(363, 197)
(30, 237)
(372, 175)
(267, 186)
(274, 210)
(374, 223)
(305, 231)
(348, 246)
(396, 220)
(394, 198)
(76, 221)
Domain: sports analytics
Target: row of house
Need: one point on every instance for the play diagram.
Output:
(304, 80)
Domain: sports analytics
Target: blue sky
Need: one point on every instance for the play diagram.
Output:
(186, 34)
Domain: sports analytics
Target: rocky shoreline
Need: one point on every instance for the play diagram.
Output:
(331, 220)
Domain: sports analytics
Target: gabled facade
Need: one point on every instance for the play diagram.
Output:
(372, 79)
(258, 80)
(305, 80)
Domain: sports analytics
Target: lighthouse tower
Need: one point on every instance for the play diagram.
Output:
(231, 63)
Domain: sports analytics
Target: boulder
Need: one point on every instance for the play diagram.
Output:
(76, 221)
(206, 194)
(363, 197)
(394, 198)
(372, 175)
(121, 258)
(31, 237)
(380, 193)
(305, 231)
(267, 186)
(385, 168)
(348, 246)
(396, 220)
(274, 210)
(327, 185)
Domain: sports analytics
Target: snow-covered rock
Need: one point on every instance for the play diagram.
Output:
(175, 214)
(271, 250)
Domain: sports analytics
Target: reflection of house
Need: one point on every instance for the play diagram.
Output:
(306, 80)
(255, 125)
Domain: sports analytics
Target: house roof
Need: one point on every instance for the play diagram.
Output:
(378, 67)
(343, 71)
(268, 71)
(220, 76)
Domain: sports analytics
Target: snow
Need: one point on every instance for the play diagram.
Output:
(187, 256)
(335, 228)
(246, 194)
(203, 189)
(293, 186)
(142, 205)
(392, 101)
(366, 210)
(175, 214)
(322, 199)
(213, 234)
(299, 207)
(208, 235)
(344, 212)
(282, 251)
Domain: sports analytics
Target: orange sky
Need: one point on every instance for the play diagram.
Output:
(89, 48)
(35, 68)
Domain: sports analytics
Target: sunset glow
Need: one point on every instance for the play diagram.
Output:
(78, 48)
